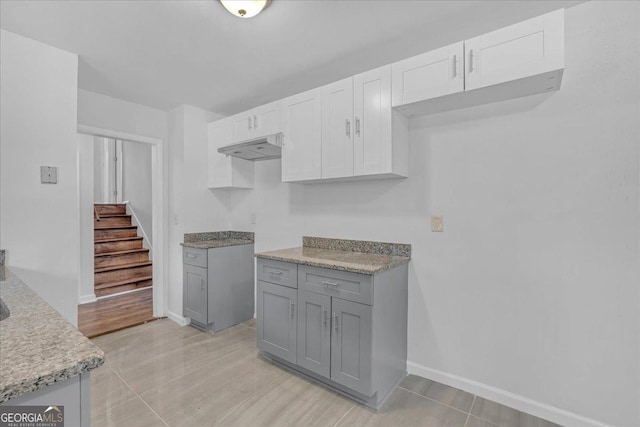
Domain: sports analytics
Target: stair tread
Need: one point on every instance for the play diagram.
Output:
(109, 204)
(123, 282)
(112, 227)
(122, 267)
(127, 251)
(119, 239)
(114, 215)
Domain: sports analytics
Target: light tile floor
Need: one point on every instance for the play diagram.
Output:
(161, 374)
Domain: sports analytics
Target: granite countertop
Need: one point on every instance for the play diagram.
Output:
(209, 244)
(217, 239)
(353, 255)
(39, 346)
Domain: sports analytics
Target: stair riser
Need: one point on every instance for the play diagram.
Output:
(123, 288)
(111, 209)
(114, 234)
(112, 221)
(125, 273)
(113, 260)
(125, 245)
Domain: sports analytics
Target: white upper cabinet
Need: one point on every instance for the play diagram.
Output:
(529, 48)
(302, 151)
(430, 75)
(337, 129)
(255, 123)
(523, 59)
(240, 127)
(380, 139)
(226, 171)
(266, 120)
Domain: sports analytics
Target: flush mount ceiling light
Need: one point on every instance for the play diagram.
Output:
(245, 8)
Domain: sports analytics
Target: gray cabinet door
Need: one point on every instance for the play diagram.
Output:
(194, 293)
(314, 332)
(276, 320)
(351, 355)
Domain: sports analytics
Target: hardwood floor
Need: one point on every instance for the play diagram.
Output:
(116, 313)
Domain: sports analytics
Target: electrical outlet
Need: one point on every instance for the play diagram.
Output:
(436, 224)
(253, 218)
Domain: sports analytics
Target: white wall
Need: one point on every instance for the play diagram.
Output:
(39, 222)
(192, 207)
(530, 296)
(136, 182)
(114, 114)
(86, 188)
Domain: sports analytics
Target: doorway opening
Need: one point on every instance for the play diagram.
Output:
(123, 209)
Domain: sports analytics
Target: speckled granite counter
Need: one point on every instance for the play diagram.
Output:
(217, 239)
(38, 346)
(356, 256)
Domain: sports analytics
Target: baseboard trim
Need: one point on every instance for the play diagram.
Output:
(85, 299)
(521, 403)
(180, 320)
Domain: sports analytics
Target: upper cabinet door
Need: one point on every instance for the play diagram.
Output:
(525, 49)
(302, 151)
(241, 126)
(372, 146)
(337, 129)
(429, 75)
(266, 120)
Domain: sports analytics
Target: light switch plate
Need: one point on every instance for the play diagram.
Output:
(436, 224)
(48, 174)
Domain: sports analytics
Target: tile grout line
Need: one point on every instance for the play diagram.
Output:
(141, 399)
(470, 408)
(345, 415)
(433, 400)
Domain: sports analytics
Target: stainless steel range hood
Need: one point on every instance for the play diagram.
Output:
(263, 148)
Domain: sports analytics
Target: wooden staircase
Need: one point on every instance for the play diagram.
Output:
(120, 262)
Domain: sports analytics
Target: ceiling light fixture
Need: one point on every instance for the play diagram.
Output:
(245, 8)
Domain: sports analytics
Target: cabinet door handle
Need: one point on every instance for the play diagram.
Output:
(293, 306)
(357, 126)
(191, 256)
(255, 121)
(335, 322)
(334, 284)
(249, 123)
(455, 66)
(470, 61)
(348, 130)
(275, 273)
(201, 284)
(324, 317)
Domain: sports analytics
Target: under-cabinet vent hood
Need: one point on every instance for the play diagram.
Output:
(263, 148)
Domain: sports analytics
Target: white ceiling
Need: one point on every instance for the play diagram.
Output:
(167, 53)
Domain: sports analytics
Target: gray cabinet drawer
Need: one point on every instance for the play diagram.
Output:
(342, 284)
(192, 256)
(278, 272)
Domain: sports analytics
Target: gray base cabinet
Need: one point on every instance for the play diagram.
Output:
(314, 332)
(276, 320)
(338, 334)
(195, 293)
(218, 286)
